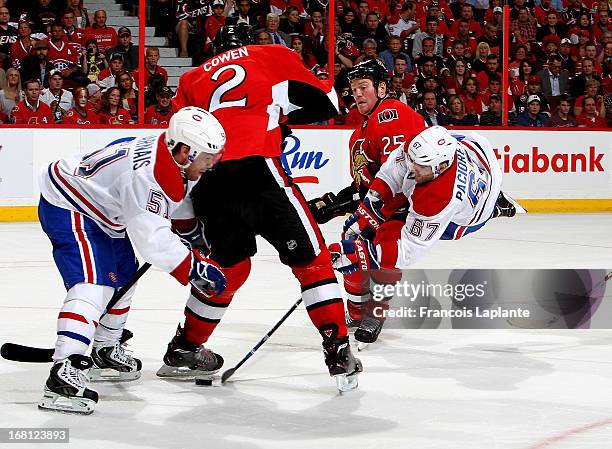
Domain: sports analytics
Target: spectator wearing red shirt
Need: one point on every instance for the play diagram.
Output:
(453, 82)
(73, 34)
(297, 44)
(523, 27)
(94, 100)
(482, 78)
(111, 113)
(32, 111)
(213, 23)
(155, 76)
(64, 56)
(541, 11)
(471, 98)
(602, 25)
(23, 46)
(433, 12)
(591, 90)
(589, 117)
(400, 69)
(467, 15)
(381, 8)
(463, 35)
(105, 36)
(160, 113)
(80, 114)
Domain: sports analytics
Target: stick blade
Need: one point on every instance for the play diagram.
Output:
(227, 374)
(28, 354)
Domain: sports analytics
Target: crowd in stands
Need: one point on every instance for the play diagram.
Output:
(444, 59)
(561, 63)
(60, 63)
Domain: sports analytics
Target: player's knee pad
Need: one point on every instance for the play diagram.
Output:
(316, 270)
(89, 296)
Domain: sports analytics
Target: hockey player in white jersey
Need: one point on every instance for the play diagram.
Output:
(452, 184)
(93, 208)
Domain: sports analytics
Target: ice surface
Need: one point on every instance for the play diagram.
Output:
(424, 389)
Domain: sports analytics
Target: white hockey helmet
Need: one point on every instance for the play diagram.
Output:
(432, 147)
(197, 128)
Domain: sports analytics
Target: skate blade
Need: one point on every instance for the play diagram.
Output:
(182, 373)
(57, 403)
(362, 345)
(345, 382)
(112, 375)
(519, 209)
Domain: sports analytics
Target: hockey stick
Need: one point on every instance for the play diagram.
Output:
(29, 354)
(230, 372)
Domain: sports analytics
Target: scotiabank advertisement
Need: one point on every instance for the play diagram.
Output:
(536, 164)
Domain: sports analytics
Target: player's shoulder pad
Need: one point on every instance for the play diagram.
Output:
(167, 173)
(431, 198)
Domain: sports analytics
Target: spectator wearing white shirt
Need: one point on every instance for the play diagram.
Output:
(56, 97)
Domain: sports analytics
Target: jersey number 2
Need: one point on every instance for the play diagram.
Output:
(216, 99)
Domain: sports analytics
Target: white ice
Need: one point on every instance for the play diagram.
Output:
(421, 389)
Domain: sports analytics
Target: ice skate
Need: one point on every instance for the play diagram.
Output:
(112, 363)
(340, 361)
(66, 388)
(186, 361)
(369, 329)
(507, 207)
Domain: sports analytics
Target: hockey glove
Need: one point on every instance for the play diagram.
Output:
(194, 238)
(330, 205)
(366, 220)
(205, 275)
(350, 256)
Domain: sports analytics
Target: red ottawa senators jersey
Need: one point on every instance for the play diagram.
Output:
(74, 117)
(63, 55)
(248, 89)
(390, 124)
(22, 114)
(122, 117)
(155, 116)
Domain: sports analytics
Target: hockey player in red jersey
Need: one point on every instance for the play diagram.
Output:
(95, 209)
(388, 124)
(249, 88)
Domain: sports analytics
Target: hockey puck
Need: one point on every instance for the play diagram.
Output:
(204, 382)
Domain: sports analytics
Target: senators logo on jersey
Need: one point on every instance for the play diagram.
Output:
(388, 115)
(359, 164)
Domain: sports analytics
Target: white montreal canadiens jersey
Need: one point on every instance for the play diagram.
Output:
(132, 185)
(456, 203)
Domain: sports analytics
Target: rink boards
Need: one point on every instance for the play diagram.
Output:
(549, 171)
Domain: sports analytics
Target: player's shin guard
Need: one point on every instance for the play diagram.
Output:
(79, 317)
(203, 314)
(321, 293)
(112, 323)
